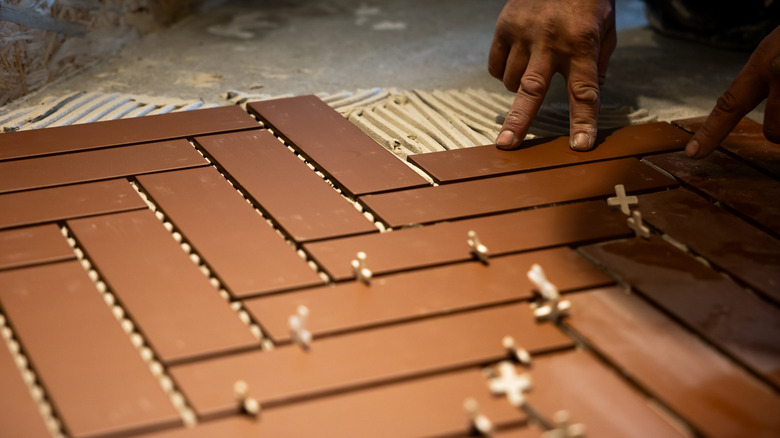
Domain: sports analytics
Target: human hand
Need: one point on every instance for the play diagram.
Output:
(758, 80)
(534, 39)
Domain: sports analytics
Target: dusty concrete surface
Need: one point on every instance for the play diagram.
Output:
(304, 46)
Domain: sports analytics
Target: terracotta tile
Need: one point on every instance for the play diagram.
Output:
(746, 140)
(19, 413)
(705, 388)
(343, 152)
(67, 202)
(303, 204)
(431, 406)
(246, 253)
(124, 131)
(722, 238)
(164, 292)
(442, 243)
(94, 376)
(353, 305)
(365, 358)
(720, 310)
(482, 161)
(735, 184)
(88, 166)
(594, 395)
(512, 192)
(33, 245)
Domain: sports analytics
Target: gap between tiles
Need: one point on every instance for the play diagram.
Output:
(37, 391)
(157, 369)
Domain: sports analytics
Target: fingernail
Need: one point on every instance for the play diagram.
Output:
(692, 148)
(505, 138)
(580, 142)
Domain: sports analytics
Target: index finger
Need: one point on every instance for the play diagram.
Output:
(747, 90)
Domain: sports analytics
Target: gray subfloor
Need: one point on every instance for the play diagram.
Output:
(304, 46)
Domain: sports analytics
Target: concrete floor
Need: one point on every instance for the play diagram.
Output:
(304, 46)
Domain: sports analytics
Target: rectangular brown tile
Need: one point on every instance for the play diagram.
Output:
(124, 131)
(93, 375)
(304, 205)
(164, 292)
(365, 358)
(33, 245)
(595, 396)
(67, 202)
(735, 184)
(705, 388)
(241, 247)
(342, 151)
(746, 140)
(425, 293)
(728, 242)
(34, 173)
(714, 306)
(483, 161)
(430, 406)
(431, 245)
(19, 413)
(512, 192)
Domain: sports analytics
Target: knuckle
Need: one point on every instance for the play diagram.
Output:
(534, 85)
(515, 119)
(585, 91)
(727, 102)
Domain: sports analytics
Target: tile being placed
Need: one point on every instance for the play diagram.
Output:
(67, 202)
(398, 410)
(365, 358)
(735, 184)
(93, 375)
(33, 245)
(732, 244)
(483, 161)
(349, 157)
(304, 205)
(122, 132)
(164, 292)
(442, 243)
(512, 192)
(19, 412)
(746, 140)
(245, 252)
(714, 306)
(594, 395)
(424, 293)
(712, 393)
(34, 173)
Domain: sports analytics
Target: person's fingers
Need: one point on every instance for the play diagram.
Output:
(772, 109)
(516, 66)
(530, 94)
(747, 90)
(499, 51)
(607, 47)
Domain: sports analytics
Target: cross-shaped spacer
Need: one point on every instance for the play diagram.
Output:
(621, 200)
(510, 384)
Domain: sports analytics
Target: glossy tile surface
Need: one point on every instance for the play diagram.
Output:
(33, 245)
(236, 241)
(94, 375)
(164, 292)
(124, 131)
(512, 192)
(67, 202)
(303, 204)
(351, 158)
(484, 161)
(34, 173)
(677, 367)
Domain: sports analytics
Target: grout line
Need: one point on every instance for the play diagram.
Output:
(37, 392)
(205, 269)
(177, 398)
(233, 183)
